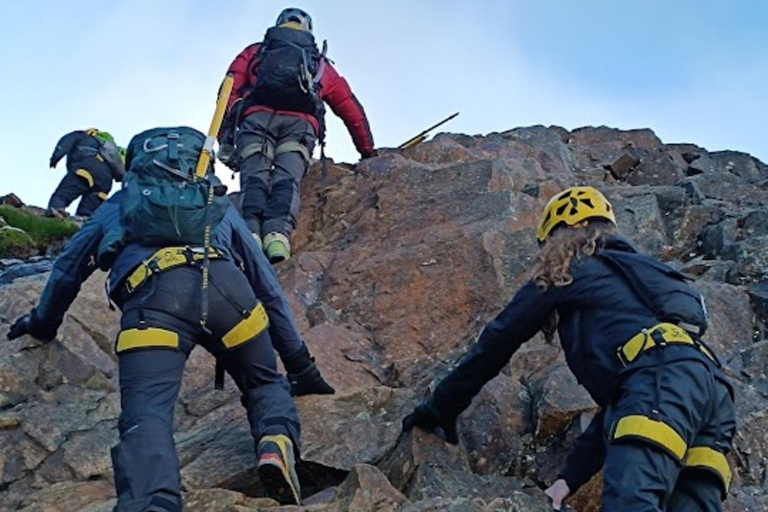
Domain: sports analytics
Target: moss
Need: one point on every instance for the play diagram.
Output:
(15, 243)
(42, 230)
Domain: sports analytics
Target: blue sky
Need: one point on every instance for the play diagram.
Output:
(694, 71)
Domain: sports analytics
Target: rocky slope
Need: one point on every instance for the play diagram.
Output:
(398, 264)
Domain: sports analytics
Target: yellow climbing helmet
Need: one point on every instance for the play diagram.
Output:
(572, 206)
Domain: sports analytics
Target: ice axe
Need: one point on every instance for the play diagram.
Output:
(218, 116)
(422, 136)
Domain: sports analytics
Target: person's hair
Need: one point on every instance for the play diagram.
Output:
(561, 247)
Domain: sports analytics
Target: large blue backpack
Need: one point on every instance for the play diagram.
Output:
(164, 204)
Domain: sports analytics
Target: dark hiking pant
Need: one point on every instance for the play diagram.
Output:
(91, 180)
(667, 436)
(274, 152)
(159, 328)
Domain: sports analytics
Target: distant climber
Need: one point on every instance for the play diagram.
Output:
(166, 312)
(630, 327)
(93, 161)
(275, 116)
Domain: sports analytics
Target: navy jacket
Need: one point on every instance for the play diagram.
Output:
(598, 313)
(232, 236)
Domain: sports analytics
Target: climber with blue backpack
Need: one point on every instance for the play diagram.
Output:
(93, 162)
(631, 330)
(274, 118)
(184, 271)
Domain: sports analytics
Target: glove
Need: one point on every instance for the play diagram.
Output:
(309, 382)
(20, 327)
(52, 164)
(372, 154)
(226, 155)
(304, 376)
(27, 325)
(427, 418)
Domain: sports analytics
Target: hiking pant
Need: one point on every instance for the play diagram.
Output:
(667, 436)
(274, 151)
(159, 328)
(91, 179)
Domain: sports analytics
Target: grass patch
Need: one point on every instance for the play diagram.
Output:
(42, 230)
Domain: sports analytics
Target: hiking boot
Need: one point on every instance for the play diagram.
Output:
(277, 469)
(56, 213)
(278, 247)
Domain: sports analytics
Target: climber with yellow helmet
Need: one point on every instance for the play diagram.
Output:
(631, 330)
(93, 161)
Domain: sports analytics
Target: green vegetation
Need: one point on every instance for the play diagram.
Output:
(42, 230)
(15, 243)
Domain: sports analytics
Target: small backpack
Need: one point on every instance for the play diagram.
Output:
(664, 290)
(288, 68)
(111, 155)
(164, 204)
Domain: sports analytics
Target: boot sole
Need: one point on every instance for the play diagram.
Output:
(278, 485)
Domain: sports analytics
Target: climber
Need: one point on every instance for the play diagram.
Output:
(158, 290)
(93, 161)
(275, 115)
(630, 328)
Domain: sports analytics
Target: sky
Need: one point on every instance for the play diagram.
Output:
(692, 70)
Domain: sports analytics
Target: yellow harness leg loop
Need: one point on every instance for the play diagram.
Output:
(248, 328)
(150, 337)
(653, 431)
(102, 196)
(703, 457)
(85, 174)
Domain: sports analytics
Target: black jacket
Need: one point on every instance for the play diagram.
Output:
(232, 236)
(598, 311)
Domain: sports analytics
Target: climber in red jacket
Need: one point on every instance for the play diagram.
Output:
(275, 116)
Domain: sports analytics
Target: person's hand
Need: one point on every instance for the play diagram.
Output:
(558, 491)
(20, 327)
(52, 164)
(427, 418)
(27, 325)
(372, 154)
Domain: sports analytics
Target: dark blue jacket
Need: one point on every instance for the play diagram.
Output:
(232, 236)
(598, 313)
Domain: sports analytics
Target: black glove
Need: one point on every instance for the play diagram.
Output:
(372, 154)
(52, 164)
(427, 418)
(27, 325)
(303, 376)
(309, 382)
(20, 327)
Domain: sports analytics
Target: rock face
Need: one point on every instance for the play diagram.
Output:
(398, 264)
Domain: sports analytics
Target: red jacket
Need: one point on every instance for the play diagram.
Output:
(334, 90)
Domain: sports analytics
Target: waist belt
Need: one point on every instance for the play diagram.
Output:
(166, 259)
(658, 336)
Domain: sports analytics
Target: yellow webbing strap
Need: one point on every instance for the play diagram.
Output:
(653, 431)
(150, 337)
(102, 196)
(165, 259)
(706, 458)
(644, 340)
(248, 328)
(99, 157)
(85, 174)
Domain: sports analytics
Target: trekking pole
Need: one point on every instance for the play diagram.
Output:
(422, 136)
(213, 131)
